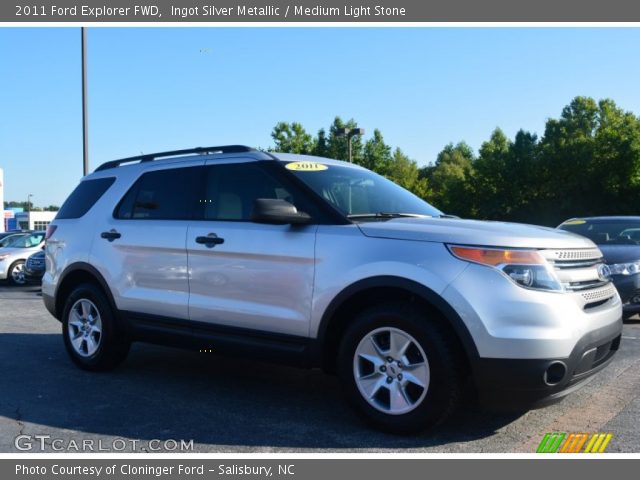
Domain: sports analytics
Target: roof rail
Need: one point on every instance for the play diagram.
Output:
(174, 153)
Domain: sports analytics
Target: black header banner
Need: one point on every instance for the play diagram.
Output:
(290, 11)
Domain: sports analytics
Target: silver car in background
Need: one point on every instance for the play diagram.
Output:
(14, 255)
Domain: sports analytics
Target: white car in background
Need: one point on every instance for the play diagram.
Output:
(15, 254)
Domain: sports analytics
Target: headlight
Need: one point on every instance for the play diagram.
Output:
(625, 268)
(526, 268)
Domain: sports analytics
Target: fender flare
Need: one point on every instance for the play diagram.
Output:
(91, 270)
(443, 307)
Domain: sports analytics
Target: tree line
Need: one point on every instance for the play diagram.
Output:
(587, 162)
(29, 206)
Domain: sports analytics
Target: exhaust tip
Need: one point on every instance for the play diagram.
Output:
(555, 373)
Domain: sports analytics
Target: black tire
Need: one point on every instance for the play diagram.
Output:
(10, 273)
(444, 359)
(112, 344)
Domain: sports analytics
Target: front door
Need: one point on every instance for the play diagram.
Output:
(244, 274)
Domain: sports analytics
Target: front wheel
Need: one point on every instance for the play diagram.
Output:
(400, 369)
(90, 330)
(16, 273)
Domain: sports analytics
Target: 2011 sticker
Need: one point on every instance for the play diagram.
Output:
(306, 166)
(577, 221)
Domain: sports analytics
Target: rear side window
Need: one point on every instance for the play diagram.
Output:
(85, 195)
(161, 195)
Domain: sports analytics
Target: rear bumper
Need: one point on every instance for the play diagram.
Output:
(538, 382)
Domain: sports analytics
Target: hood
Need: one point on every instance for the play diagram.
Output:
(473, 232)
(620, 253)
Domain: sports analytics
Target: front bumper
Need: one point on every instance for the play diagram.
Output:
(33, 276)
(538, 382)
(4, 266)
(628, 287)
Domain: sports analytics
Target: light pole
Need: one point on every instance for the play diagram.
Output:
(349, 133)
(85, 117)
(29, 211)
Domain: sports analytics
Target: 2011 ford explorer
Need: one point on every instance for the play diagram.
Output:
(321, 263)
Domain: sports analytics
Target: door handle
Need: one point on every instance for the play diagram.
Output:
(111, 235)
(210, 240)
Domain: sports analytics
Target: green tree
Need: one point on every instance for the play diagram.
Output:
(24, 205)
(491, 180)
(405, 172)
(591, 161)
(337, 144)
(292, 138)
(321, 148)
(377, 154)
(450, 180)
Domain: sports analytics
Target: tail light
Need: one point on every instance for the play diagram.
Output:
(50, 231)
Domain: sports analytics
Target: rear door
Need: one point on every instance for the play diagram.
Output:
(256, 276)
(141, 247)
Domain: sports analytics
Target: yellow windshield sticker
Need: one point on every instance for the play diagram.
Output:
(575, 222)
(306, 166)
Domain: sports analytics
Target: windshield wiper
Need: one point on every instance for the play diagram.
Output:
(386, 215)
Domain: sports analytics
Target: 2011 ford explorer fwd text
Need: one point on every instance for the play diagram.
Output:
(322, 263)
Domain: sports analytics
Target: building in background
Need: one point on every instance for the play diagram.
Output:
(10, 222)
(34, 220)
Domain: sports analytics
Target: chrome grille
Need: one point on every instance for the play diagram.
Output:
(577, 270)
(607, 291)
(577, 254)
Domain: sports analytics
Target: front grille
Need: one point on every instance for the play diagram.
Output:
(577, 254)
(598, 294)
(578, 271)
(35, 263)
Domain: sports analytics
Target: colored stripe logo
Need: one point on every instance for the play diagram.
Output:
(560, 442)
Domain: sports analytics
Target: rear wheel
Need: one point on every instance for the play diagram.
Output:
(15, 275)
(90, 330)
(400, 369)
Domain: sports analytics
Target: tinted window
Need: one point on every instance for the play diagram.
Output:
(85, 195)
(230, 191)
(160, 195)
(606, 232)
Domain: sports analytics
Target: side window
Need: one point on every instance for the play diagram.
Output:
(160, 195)
(85, 195)
(231, 189)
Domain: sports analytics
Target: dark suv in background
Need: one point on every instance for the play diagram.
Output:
(619, 240)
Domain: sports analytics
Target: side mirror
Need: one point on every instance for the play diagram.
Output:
(275, 211)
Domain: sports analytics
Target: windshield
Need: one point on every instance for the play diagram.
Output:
(358, 193)
(27, 241)
(607, 232)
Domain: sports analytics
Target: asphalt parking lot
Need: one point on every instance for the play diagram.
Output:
(233, 405)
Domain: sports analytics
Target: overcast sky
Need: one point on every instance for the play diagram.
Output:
(154, 89)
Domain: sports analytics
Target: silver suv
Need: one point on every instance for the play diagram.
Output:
(321, 263)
